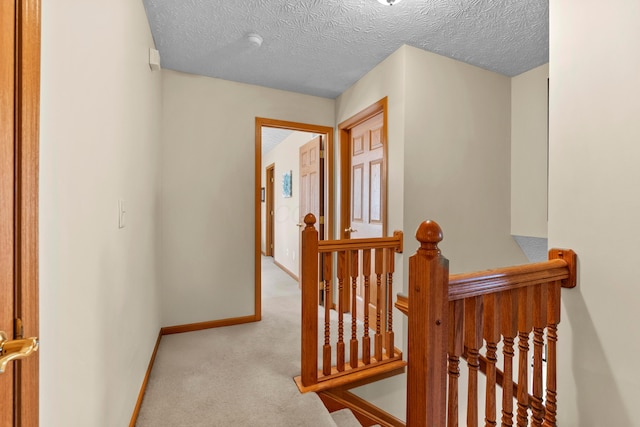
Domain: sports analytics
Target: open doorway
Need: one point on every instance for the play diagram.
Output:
(298, 158)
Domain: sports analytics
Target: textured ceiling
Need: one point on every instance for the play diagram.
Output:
(272, 137)
(321, 47)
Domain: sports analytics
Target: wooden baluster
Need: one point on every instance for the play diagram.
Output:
(342, 274)
(456, 346)
(390, 270)
(553, 318)
(539, 323)
(525, 323)
(428, 331)
(509, 322)
(366, 272)
(492, 337)
(379, 270)
(309, 281)
(353, 348)
(473, 342)
(328, 298)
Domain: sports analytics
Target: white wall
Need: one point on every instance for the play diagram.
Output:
(457, 160)
(208, 231)
(594, 205)
(100, 115)
(529, 153)
(286, 157)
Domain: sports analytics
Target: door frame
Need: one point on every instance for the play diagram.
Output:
(26, 134)
(344, 136)
(329, 155)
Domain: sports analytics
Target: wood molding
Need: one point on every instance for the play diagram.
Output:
(178, 329)
(169, 330)
(143, 388)
(27, 127)
(302, 127)
(366, 413)
(286, 270)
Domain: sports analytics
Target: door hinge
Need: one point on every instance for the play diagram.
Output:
(271, 179)
(322, 154)
(271, 245)
(321, 220)
(18, 329)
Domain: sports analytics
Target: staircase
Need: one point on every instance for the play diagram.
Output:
(455, 323)
(345, 418)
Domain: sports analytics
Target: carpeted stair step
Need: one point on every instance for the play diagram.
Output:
(345, 418)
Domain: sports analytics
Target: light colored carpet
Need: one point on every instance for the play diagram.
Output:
(345, 418)
(238, 375)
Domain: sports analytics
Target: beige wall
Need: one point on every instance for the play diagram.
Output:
(100, 116)
(286, 157)
(529, 153)
(208, 152)
(449, 160)
(457, 161)
(594, 205)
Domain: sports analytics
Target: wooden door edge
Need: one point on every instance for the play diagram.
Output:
(27, 110)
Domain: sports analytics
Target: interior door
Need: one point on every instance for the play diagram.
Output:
(7, 94)
(270, 210)
(312, 185)
(368, 184)
(310, 180)
(19, 114)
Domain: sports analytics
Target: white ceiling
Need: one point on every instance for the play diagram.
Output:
(272, 137)
(321, 47)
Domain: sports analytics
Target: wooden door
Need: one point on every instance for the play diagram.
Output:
(367, 179)
(7, 94)
(310, 172)
(19, 114)
(367, 189)
(312, 185)
(270, 210)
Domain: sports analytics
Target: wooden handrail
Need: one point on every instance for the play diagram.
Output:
(453, 316)
(561, 266)
(394, 242)
(341, 268)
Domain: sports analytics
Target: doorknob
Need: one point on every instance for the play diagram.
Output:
(15, 349)
(350, 230)
(300, 225)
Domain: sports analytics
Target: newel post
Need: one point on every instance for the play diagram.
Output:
(428, 330)
(309, 280)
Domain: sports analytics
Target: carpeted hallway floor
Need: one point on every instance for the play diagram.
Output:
(238, 375)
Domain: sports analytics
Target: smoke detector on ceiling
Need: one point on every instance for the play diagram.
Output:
(255, 39)
(389, 2)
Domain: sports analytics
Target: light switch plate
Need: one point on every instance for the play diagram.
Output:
(121, 213)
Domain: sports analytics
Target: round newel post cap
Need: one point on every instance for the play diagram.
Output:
(310, 219)
(429, 234)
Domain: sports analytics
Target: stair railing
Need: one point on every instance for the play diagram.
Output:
(336, 270)
(454, 317)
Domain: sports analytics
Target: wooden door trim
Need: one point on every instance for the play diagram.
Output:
(7, 196)
(27, 124)
(303, 127)
(344, 130)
